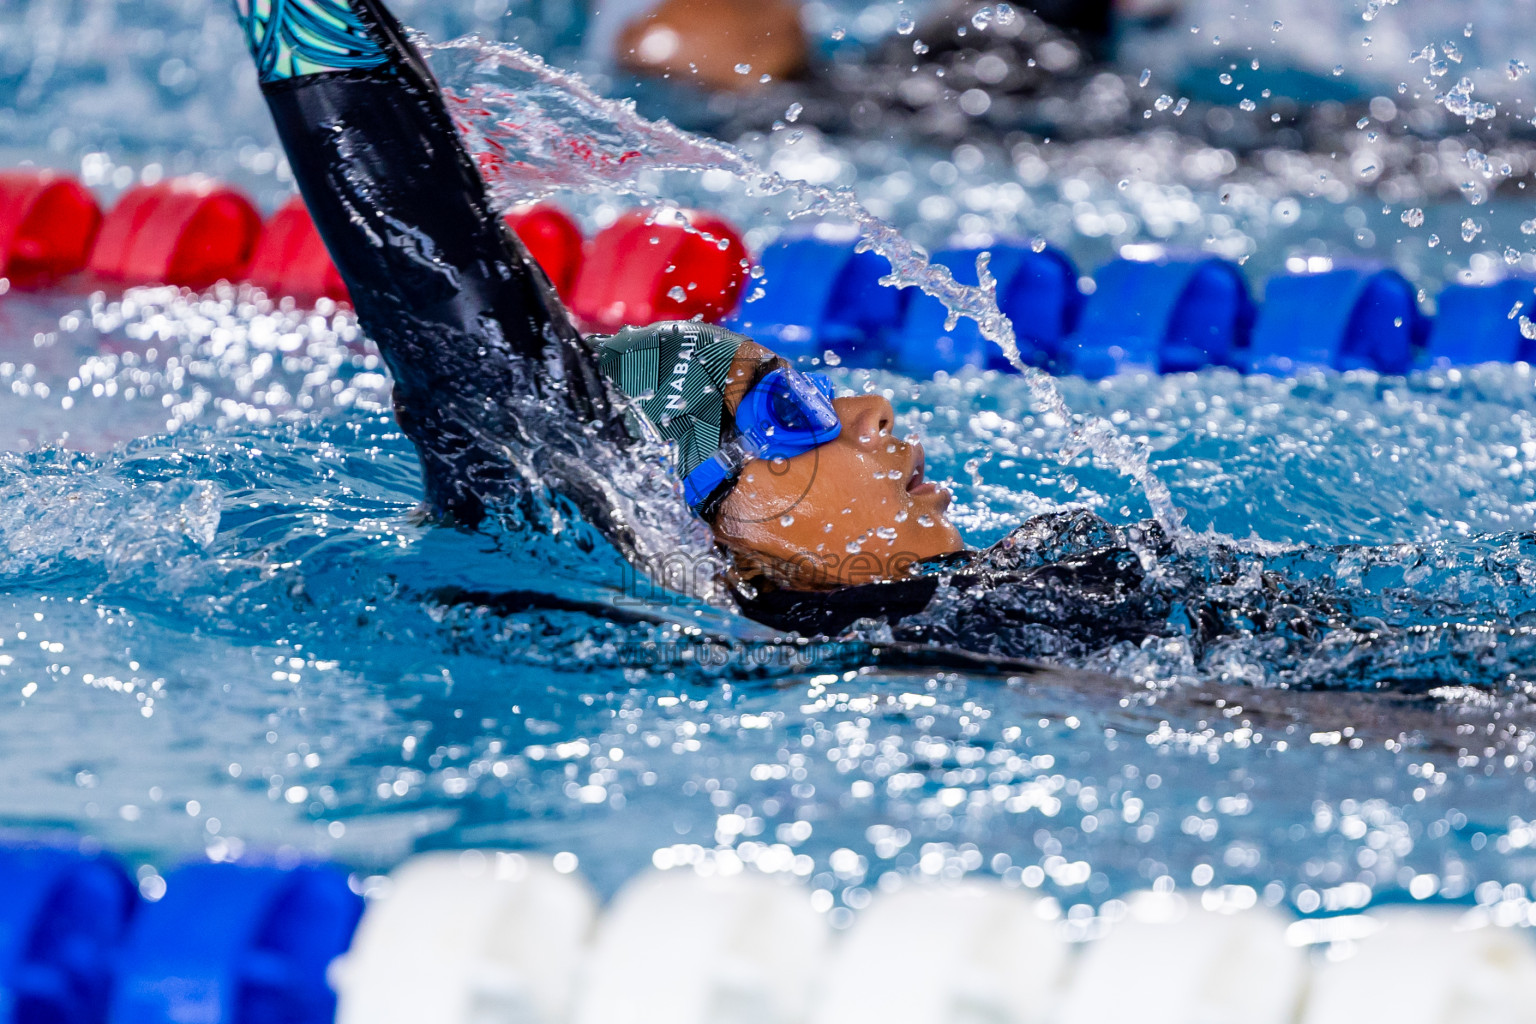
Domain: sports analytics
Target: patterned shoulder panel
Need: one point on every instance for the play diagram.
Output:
(290, 38)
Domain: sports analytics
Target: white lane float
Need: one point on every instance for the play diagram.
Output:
(1172, 962)
(1428, 965)
(970, 952)
(471, 938)
(676, 947)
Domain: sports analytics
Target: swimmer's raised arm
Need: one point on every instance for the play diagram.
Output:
(467, 323)
(493, 382)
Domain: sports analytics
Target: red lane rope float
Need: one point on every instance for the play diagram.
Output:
(292, 260)
(638, 273)
(47, 224)
(553, 240)
(188, 232)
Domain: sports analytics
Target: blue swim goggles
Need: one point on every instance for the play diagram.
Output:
(787, 413)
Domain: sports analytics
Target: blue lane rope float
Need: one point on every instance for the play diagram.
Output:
(1482, 324)
(62, 915)
(237, 944)
(1166, 316)
(821, 295)
(1038, 291)
(1351, 318)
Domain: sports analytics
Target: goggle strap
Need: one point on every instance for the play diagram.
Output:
(708, 476)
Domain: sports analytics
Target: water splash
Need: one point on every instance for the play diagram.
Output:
(535, 129)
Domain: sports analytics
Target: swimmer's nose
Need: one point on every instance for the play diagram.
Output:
(866, 419)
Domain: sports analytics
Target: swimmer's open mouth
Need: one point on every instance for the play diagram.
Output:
(916, 483)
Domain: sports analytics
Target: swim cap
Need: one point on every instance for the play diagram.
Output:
(676, 372)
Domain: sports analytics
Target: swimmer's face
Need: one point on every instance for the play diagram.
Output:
(854, 510)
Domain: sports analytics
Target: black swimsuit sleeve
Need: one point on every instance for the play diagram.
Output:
(476, 340)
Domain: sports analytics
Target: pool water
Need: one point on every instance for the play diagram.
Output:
(229, 637)
(225, 633)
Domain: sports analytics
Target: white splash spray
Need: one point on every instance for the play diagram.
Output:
(535, 129)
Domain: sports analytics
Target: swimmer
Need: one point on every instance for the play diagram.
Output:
(704, 42)
(827, 514)
(791, 477)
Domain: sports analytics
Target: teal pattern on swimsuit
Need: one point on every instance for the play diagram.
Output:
(291, 38)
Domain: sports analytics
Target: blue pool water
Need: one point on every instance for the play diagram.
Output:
(223, 632)
(228, 636)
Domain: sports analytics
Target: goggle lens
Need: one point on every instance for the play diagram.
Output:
(801, 403)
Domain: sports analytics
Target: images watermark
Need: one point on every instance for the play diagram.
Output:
(797, 656)
(686, 576)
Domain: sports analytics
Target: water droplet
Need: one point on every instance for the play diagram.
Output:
(676, 294)
(1277, 26)
(792, 114)
(743, 69)
(1163, 102)
(1413, 217)
(786, 520)
(925, 520)
(905, 24)
(1434, 240)
(1362, 122)
(919, 47)
(1146, 76)
(1248, 105)
(1527, 329)
(1470, 230)
(886, 533)
(1038, 245)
